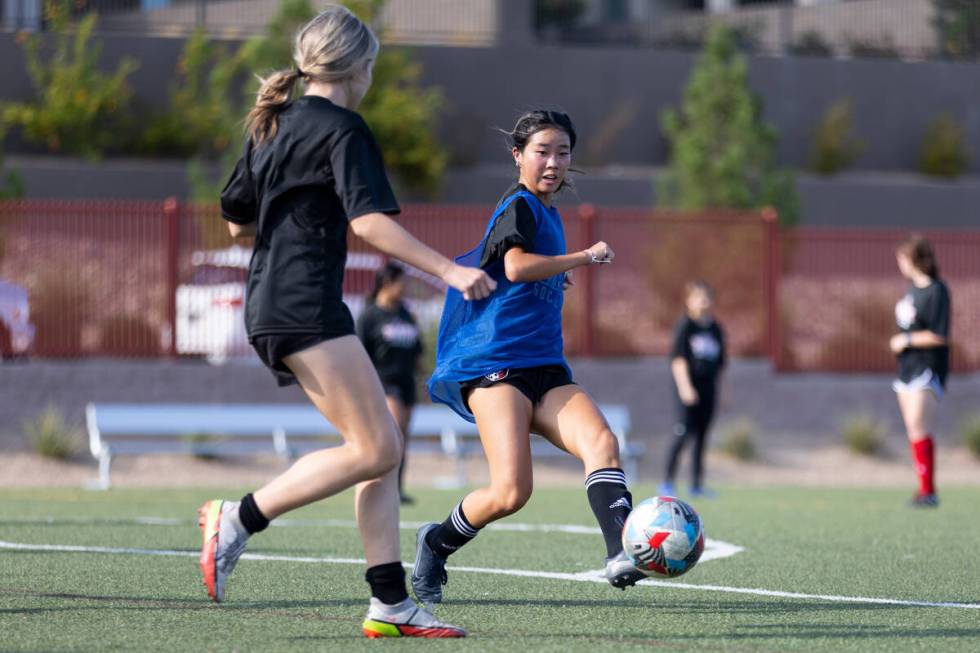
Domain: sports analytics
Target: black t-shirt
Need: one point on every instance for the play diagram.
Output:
(924, 309)
(516, 227)
(322, 169)
(392, 340)
(702, 345)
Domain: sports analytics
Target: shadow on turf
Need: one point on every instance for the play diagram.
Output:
(167, 604)
(836, 630)
(686, 608)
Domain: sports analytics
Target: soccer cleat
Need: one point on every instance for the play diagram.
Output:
(223, 543)
(622, 573)
(666, 489)
(429, 573)
(924, 501)
(405, 619)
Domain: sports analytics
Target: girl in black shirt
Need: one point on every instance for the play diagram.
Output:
(391, 338)
(697, 359)
(922, 350)
(311, 168)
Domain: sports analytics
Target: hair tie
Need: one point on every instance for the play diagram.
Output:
(300, 73)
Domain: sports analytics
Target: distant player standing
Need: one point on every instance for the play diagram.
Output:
(500, 363)
(696, 363)
(311, 170)
(922, 350)
(391, 338)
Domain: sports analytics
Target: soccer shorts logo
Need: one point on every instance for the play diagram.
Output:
(493, 377)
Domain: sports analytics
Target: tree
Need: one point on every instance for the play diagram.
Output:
(833, 145)
(958, 24)
(722, 153)
(78, 107)
(199, 121)
(401, 112)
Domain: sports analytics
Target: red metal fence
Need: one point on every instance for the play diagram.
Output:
(135, 278)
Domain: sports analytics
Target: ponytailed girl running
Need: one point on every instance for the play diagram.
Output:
(922, 353)
(499, 362)
(310, 170)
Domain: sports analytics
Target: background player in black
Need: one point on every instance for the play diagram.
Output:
(310, 169)
(391, 338)
(922, 349)
(697, 360)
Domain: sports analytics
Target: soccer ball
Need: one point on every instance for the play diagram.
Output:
(663, 536)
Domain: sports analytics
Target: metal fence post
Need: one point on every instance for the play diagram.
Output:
(587, 213)
(171, 214)
(771, 282)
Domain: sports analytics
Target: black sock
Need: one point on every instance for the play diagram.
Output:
(387, 582)
(611, 503)
(452, 533)
(251, 517)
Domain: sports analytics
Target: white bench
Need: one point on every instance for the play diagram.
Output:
(288, 429)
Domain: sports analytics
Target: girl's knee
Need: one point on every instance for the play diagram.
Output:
(380, 455)
(510, 498)
(601, 448)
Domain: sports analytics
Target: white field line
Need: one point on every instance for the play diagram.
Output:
(713, 549)
(589, 576)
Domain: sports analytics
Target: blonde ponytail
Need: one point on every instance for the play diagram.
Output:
(274, 94)
(331, 48)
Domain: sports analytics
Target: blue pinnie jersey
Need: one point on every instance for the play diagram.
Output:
(517, 326)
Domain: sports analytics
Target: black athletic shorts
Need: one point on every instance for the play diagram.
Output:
(401, 389)
(273, 348)
(533, 382)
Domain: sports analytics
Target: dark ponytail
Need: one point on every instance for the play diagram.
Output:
(386, 274)
(919, 251)
(534, 121)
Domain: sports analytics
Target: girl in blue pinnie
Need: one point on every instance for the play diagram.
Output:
(499, 362)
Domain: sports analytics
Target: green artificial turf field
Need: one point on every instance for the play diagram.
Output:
(830, 545)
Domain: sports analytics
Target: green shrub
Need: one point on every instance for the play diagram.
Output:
(833, 145)
(970, 432)
(943, 151)
(883, 48)
(863, 434)
(736, 440)
(203, 117)
(722, 154)
(957, 23)
(51, 436)
(201, 445)
(78, 108)
(11, 183)
(812, 44)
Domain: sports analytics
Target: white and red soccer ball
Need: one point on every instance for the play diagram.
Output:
(663, 536)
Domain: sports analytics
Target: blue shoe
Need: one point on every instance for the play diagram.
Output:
(924, 501)
(666, 489)
(703, 493)
(429, 574)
